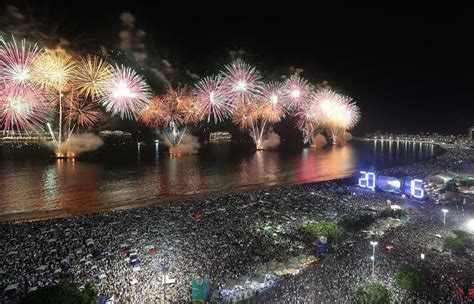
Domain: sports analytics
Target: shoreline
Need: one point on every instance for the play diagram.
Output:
(31, 216)
(226, 243)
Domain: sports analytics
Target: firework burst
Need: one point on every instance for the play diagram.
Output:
(332, 111)
(21, 112)
(307, 118)
(192, 112)
(241, 82)
(127, 93)
(151, 115)
(54, 69)
(180, 106)
(82, 113)
(92, 76)
(246, 115)
(210, 95)
(16, 63)
(175, 111)
(272, 102)
(297, 92)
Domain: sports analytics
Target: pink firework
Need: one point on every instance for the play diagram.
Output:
(349, 114)
(272, 102)
(333, 112)
(336, 110)
(127, 93)
(16, 62)
(307, 117)
(210, 95)
(297, 91)
(21, 112)
(241, 82)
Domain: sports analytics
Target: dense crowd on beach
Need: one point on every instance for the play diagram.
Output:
(222, 237)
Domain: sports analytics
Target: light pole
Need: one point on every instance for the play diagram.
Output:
(373, 243)
(444, 216)
(470, 225)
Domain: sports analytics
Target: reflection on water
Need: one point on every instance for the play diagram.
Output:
(327, 164)
(39, 188)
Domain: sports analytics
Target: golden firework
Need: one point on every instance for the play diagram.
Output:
(92, 76)
(54, 68)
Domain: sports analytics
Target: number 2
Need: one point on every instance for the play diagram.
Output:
(367, 180)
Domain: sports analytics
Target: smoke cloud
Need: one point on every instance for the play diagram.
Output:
(319, 141)
(343, 138)
(131, 39)
(79, 143)
(188, 145)
(271, 140)
(133, 42)
(193, 75)
(30, 26)
(236, 54)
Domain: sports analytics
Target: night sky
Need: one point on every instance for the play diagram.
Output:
(408, 73)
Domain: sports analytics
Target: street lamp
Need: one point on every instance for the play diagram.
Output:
(470, 225)
(373, 243)
(444, 215)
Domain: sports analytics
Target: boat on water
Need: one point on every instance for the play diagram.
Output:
(220, 136)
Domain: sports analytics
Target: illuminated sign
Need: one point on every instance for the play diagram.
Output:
(416, 188)
(388, 183)
(408, 186)
(367, 180)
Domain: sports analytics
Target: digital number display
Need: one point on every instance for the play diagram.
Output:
(389, 184)
(416, 188)
(409, 186)
(367, 180)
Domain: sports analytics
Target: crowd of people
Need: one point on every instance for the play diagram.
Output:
(226, 241)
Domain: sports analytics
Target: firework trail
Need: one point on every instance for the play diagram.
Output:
(246, 114)
(259, 113)
(127, 93)
(308, 121)
(272, 102)
(210, 95)
(35, 83)
(54, 70)
(179, 110)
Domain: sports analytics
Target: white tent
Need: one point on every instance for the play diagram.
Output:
(11, 287)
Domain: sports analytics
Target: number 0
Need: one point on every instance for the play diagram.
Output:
(367, 180)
